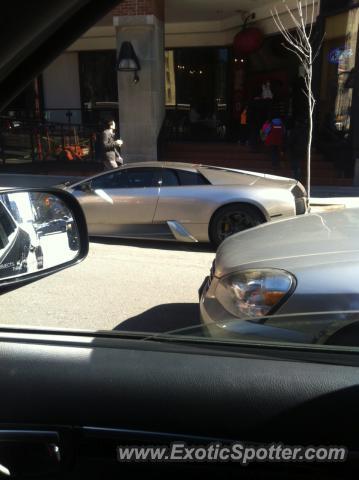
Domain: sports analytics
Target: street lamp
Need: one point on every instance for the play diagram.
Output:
(128, 61)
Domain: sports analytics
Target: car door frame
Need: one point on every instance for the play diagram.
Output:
(178, 206)
(101, 195)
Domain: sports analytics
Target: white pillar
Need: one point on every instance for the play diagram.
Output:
(141, 105)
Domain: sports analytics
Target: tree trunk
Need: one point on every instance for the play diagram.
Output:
(310, 138)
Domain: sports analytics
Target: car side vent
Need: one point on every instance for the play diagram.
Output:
(297, 192)
(300, 200)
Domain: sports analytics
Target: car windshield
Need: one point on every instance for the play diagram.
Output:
(216, 209)
(337, 329)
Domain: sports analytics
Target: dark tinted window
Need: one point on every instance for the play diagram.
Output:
(169, 178)
(109, 180)
(191, 178)
(129, 178)
(138, 178)
(96, 87)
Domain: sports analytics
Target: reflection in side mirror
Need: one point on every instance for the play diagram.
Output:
(40, 232)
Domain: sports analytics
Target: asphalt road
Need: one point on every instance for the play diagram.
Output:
(138, 286)
(135, 286)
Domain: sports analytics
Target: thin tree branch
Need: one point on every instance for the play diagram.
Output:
(305, 93)
(302, 26)
(300, 44)
(306, 12)
(302, 41)
(297, 24)
(287, 47)
(281, 27)
(312, 19)
(315, 56)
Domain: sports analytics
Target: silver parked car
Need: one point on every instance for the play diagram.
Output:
(183, 202)
(278, 281)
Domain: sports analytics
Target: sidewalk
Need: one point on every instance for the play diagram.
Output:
(330, 192)
(28, 181)
(335, 197)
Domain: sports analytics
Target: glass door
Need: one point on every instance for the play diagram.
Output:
(98, 84)
(196, 92)
(337, 86)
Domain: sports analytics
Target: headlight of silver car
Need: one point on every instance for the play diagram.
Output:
(253, 293)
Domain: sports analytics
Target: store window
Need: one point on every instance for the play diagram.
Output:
(338, 70)
(98, 83)
(197, 92)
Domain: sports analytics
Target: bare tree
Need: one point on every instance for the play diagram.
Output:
(299, 41)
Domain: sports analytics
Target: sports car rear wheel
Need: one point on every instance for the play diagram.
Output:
(233, 219)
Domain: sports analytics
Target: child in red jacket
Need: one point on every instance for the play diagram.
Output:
(274, 134)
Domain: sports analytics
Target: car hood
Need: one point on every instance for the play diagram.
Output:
(300, 241)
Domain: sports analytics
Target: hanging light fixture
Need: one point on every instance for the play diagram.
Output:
(249, 39)
(128, 61)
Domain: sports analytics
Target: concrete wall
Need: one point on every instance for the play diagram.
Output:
(190, 34)
(97, 38)
(222, 32)
(62, 87)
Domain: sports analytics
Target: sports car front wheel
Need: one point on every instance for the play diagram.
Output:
(233, 219)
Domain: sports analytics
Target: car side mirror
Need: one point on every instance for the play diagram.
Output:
(86, 187)
(41, 232)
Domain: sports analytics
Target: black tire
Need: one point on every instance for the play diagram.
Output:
(233, 219)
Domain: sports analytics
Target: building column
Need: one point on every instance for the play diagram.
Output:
(142, 104)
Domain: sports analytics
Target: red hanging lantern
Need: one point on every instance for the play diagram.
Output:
(248, 41)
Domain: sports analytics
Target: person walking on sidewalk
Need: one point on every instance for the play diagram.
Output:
(110, 147)
(243, 128)
(274, 133)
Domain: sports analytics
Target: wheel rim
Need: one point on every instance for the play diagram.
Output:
(232, 223)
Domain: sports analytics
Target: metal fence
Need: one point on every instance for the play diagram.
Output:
(57, 134)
